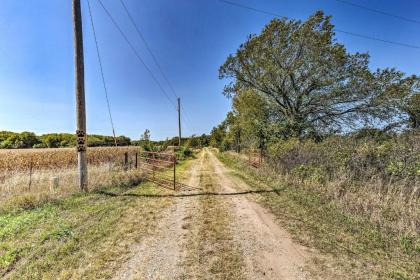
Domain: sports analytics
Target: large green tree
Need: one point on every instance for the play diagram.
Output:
(311, 82)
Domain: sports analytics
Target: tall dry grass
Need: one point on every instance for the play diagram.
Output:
(29, 177)
(376, 177)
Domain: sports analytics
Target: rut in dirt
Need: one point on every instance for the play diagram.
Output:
(216, 236)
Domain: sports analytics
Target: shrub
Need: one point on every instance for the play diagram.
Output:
(184, 152)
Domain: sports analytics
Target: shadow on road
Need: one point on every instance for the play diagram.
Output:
(189, 194)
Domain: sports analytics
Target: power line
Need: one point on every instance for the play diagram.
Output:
(137, 54)
(336, 30)
(102, 73)
(151, 54)
(378, 11)
(148, 48)
(377, 39)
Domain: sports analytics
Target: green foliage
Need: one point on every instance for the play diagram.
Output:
(62, 231)
(217, 135)
(12, 140)
(296, 76)
(309, 172)
(390, 158)
(58, 140)
(184, 152)
(152, 145)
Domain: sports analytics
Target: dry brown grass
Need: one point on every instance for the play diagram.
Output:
(363, 234)
(22, 159)
(26, 175)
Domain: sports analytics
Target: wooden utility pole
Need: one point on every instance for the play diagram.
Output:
(80, 96)
(179, 121)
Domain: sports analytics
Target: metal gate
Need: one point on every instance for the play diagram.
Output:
(159, 168)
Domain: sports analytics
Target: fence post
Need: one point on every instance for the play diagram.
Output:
(153, 166)
(125, 160)
(30, 174)
(174, 172)
(135, 164)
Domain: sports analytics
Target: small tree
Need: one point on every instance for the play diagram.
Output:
(145, 140)
(145, 136)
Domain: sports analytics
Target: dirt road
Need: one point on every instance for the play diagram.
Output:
(215, 231)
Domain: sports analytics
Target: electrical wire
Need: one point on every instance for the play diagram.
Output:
(335, 29)
(137, 54)
(140, 34)
(102, 72)
(148, 48)
(378, 11)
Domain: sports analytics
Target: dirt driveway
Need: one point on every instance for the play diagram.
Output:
(214, 230)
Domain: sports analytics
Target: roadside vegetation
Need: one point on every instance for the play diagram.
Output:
(81, 236)
(354, 244)
(339, 141)
(30, 177)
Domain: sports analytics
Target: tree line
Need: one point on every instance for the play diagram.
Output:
(295, 80)
(24, 140)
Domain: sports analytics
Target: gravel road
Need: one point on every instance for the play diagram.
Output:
(265, 250)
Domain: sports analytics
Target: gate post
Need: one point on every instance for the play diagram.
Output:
(125, 161)
(174, 172)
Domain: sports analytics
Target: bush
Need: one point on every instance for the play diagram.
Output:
(360, 159)
(184, 152)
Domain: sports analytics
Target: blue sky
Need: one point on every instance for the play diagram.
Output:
(190, 38)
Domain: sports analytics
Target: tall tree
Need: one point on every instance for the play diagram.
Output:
(310, 80)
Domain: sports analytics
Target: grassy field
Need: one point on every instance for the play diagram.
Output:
(355, 246)
(75, 238)
(26, 175)
(82, 236)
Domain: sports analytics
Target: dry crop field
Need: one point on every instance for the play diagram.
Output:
(29, 176)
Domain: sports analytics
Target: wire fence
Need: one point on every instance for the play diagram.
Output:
(40, 174)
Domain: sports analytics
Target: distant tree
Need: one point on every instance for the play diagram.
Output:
(204, 140)
(145, 140)
(192, 142)
(57, 140)
(217, 135)
(146, 135)
(13, 140)
(311, 82)
(52, 140)
(123, 141)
